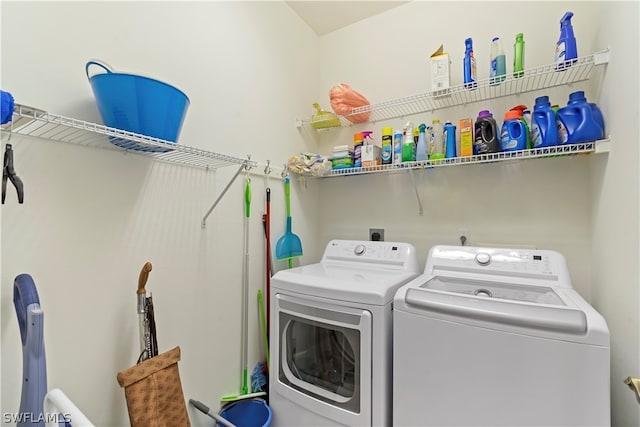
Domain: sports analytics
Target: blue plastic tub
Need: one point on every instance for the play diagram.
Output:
(248, 413)
(138, 104)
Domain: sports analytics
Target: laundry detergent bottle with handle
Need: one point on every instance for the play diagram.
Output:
(580, 122)
(544, 129)
(514, 132)
(449, 140)
(487, 139)
(576, 98)
(566, 49)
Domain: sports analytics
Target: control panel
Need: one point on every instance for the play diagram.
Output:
(393, 254)
(538, 264)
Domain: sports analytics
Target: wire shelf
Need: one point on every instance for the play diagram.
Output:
(602, 146)
(533, 79)
(33, 122)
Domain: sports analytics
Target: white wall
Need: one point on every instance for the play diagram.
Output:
(92, 218)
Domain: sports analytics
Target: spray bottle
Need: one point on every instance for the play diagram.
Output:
(470, 74)
(408, 146)
(566, 50)
(421, 147)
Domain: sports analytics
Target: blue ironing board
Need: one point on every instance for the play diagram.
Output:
(34, 366)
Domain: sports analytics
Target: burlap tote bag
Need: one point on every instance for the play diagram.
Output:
(154, 393)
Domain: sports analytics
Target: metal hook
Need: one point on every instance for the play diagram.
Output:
(267, 168)
(285, 172)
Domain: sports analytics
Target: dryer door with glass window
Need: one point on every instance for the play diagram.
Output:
(324, 357)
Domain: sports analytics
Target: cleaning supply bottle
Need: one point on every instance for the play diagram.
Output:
(470, 73)
(544, 130)
(357, 149)
(498, 70)
(397, 147)
(580, 122)
(449, 140)
(436, 140)
(486, 135)
(408, 146)
(566, 49)
(514, 133)
(518, 56)
(387, 145)
(525, 116)
(576, 98)
(421, 147)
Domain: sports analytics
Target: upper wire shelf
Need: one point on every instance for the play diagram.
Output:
(38, 123)
(533, 79)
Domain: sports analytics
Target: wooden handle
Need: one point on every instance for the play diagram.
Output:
(142, 280)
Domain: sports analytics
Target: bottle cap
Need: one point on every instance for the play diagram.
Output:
(436, 120)
(387, 131)
(512, 114)
(422, 127)
(366, 134)
(519, 37)
(357, 137)
(495, 39)
(542, 100)
(484, 113)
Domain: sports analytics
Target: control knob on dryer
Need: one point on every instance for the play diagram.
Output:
(359, 249)
(483, 258)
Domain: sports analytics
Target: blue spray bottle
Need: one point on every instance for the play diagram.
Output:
(470, 74)
(566, 49)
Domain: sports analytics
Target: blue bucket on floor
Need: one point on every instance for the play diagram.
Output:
(138, 104)
(248, 413)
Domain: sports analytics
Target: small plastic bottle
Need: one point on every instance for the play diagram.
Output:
(518, 56)
(450, 140)
(397, 147)
(408, 146)
(498, 70)
(421, 147)
(357, 149)
(470, 73)
(436, 144)
(387, 145)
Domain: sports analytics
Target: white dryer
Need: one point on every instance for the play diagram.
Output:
(498, 337)
(331, 342)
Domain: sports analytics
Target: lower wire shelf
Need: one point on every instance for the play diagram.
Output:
(601, 146)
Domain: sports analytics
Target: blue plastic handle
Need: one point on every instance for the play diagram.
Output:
(99, 64)
(24, 294)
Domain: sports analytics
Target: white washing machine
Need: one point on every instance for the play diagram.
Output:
(331, 343)
(498, 337)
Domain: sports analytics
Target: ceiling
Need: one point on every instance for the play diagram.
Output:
(327, 16)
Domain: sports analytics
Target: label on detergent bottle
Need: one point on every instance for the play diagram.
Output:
(563, 135)
(507, 142)
(536, 136)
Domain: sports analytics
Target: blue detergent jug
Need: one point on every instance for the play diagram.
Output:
(580, 120)
(514, 132)
(544, 130)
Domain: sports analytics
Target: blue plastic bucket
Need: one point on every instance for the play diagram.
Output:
(248, 413)
(138, 104)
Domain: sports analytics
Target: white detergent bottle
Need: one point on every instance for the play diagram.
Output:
(436, 145)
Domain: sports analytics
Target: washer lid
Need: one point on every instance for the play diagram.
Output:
(345, 283)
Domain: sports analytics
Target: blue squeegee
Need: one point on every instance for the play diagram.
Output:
(34, 367)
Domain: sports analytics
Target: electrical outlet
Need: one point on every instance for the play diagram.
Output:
(463, 236)
(376, 234)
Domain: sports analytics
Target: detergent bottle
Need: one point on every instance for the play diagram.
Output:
(421, 147)
(566, 49)
(408, 146)
(525, 116)
(486, 138)
(576, 98)
(514, 132)
(450, 140)
(544, 130)
(580, 121)
(436, 140)
(498, 71)
(470, 74)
